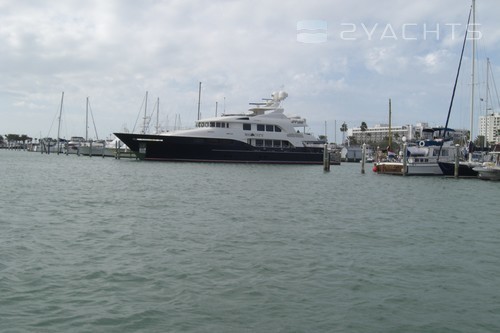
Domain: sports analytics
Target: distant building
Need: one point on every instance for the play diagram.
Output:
(489, 127)
(380, 133)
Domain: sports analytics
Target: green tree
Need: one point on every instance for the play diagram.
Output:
(363, 127)
(352, 140)
(24, 138)
(480, 141)
(396, 137)
(15, 139)
(12, 138)
(343, 129)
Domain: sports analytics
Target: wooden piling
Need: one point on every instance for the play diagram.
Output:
(326, 158)
(363, 158)
(405, 160)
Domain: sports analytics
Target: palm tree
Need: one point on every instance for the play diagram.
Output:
(396, 137)
(363, 128)
(343, 129)
(24, 138)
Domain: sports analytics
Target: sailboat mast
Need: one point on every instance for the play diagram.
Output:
(390, 116)
(487, 100)
(87, 121)
(59, 125)
(145, 114)
(158, 116)
(473, 71)
(199, 100)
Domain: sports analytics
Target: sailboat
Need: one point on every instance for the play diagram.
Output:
(465, 167)
(110, 147)
(49, 145)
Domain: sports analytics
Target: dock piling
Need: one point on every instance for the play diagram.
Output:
(363, 158)
(326, 158)
(405, 159)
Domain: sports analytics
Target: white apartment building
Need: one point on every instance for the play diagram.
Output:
(381, 131)
(489, 127)
(378, 133)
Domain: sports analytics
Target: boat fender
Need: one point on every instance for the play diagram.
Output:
(421, 143)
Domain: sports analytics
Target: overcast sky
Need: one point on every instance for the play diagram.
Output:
(361, 53)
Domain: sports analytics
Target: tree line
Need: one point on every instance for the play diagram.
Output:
(15, 138)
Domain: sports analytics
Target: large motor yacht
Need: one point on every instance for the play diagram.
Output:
(264, 134)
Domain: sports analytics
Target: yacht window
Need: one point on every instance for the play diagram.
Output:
(277, 129)
(269, 128)
(247, 127)
(212, 124)
(259, 142)
(285, 144)
(207, 124)
(260, 127)
(268, 143)
(217, 124)
(277, 143)
(201, 124)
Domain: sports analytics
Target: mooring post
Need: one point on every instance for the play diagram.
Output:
(363, 158)
(405, 160)
(457, 162)
(326, 158)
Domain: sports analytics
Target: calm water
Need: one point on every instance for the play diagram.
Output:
(104, 245)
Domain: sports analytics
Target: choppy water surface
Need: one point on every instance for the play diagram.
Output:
(104, 245)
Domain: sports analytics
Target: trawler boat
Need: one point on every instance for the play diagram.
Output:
(264, 134)
(74, 144)
(421, 159)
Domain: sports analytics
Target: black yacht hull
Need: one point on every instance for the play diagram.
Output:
(195, 149)
(464, 169)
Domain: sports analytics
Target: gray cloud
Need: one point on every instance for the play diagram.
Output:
(115, 51)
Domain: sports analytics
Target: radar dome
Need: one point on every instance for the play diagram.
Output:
(282, 95)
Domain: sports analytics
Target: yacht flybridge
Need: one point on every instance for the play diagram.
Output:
(264, 134)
